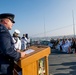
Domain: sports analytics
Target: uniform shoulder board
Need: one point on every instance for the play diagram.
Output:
(2, 28)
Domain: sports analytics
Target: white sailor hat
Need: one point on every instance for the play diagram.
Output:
(17, 31)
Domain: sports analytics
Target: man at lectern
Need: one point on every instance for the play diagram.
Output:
(8, 54)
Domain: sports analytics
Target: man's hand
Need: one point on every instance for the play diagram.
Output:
(22, 54)
(18, 51)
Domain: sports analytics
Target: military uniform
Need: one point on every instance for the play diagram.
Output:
(17, 41)
(7, 52)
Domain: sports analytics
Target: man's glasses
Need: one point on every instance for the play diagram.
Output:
(11, 20)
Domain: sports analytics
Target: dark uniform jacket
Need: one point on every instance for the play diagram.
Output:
(7, 51)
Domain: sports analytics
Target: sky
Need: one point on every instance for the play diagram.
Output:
(42, 18)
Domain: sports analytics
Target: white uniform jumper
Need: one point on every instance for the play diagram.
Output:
(24, 42)
(17, 43)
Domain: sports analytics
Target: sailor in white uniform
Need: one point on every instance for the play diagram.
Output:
(25, 42)
(17, 41)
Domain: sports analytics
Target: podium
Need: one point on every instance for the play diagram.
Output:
(35, 63)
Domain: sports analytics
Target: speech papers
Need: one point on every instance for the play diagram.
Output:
(29, 51)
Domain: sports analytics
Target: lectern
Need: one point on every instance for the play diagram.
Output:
(35, 63)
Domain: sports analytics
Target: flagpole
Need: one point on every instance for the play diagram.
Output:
(44, 28)
(73, 23)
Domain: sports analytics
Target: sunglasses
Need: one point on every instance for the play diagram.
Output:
(11, 20)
